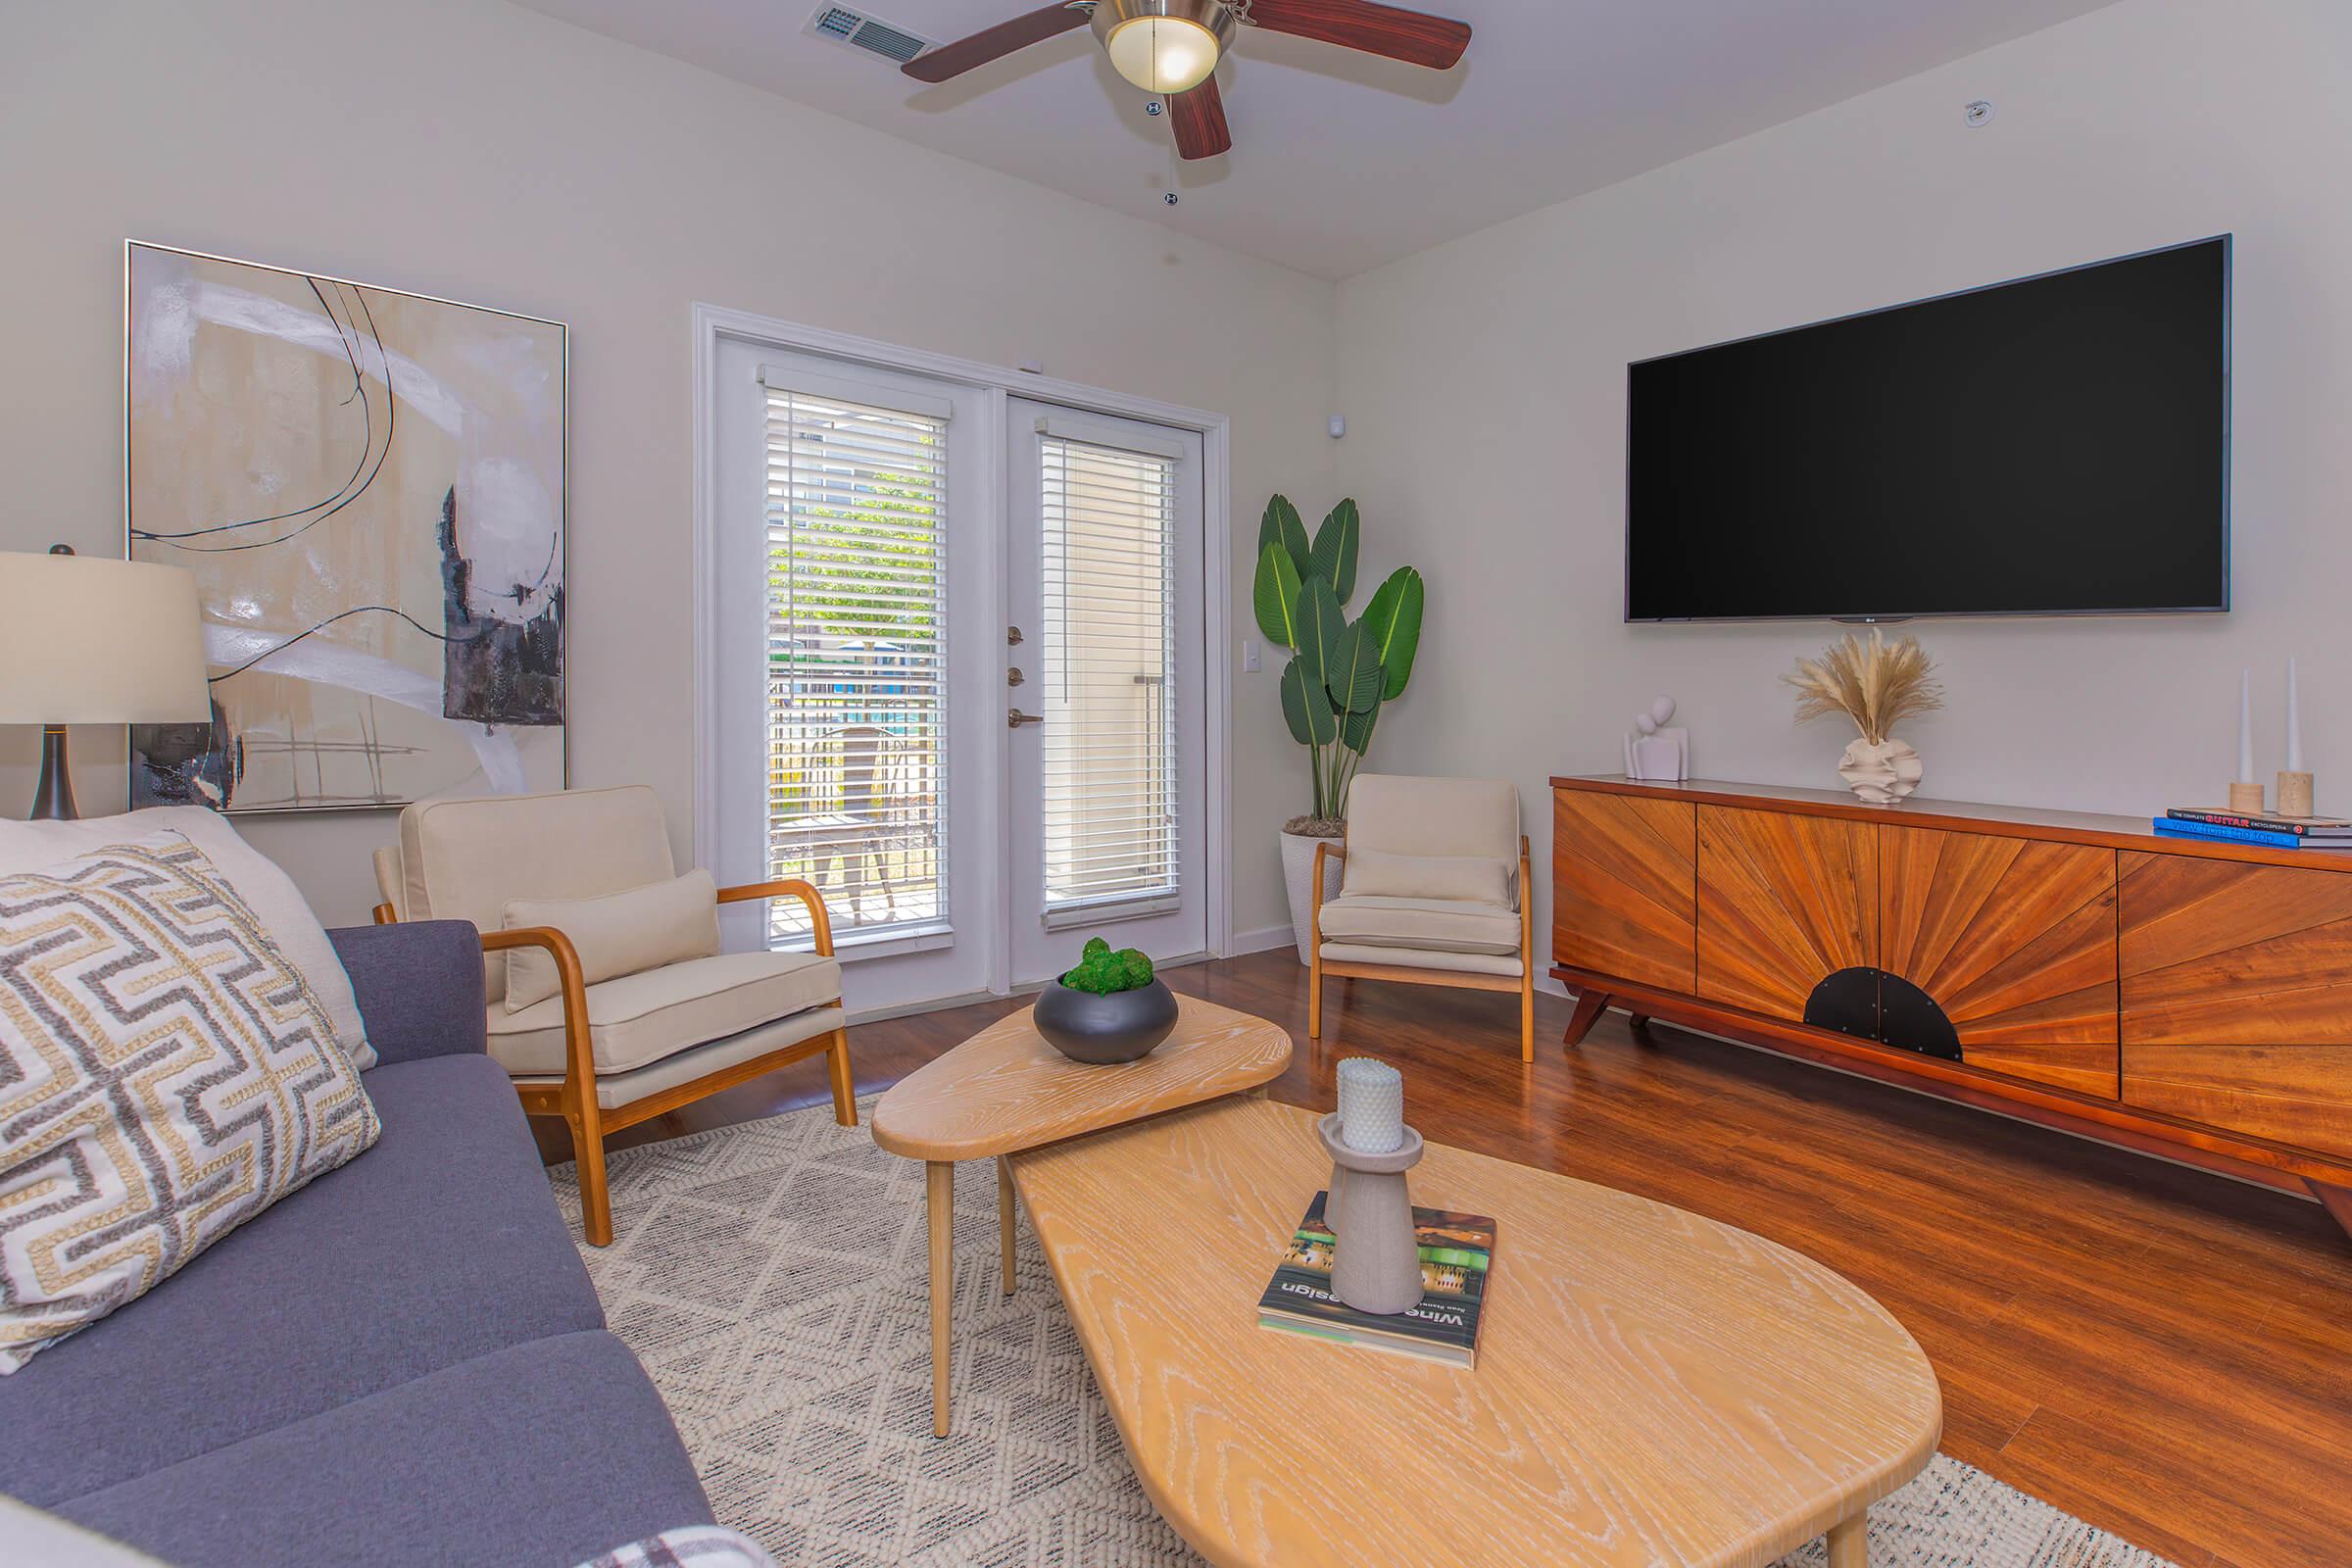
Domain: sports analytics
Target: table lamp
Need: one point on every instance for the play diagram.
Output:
(87, 641)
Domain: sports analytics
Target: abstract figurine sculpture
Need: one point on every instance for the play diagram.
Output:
(1653, 751)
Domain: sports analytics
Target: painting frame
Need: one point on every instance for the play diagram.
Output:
(550, 689)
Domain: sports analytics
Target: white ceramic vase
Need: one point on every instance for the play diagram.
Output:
(1882, 774)
(1297, 877)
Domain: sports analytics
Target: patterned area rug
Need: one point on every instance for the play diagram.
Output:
(771, 1278)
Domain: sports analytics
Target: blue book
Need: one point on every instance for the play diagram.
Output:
(2176, 828)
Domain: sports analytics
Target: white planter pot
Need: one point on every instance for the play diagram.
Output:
(1298, 875)
(1882, 774)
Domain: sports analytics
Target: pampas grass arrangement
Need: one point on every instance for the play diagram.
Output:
(1877, 684)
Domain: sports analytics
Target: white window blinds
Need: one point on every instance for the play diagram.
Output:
(856, 649)
(1107, 581)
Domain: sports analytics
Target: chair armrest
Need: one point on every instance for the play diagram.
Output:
(419, 987)
(579, 1059)
(792, 887)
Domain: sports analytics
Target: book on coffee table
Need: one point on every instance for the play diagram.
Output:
(1456, 1253)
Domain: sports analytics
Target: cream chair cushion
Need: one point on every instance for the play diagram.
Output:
(616, 1089)
(640, 1018)
(621, 933)
(1394, 815)
(1437, 925)
(1422, 959)
(1465, 878)
(463, 860)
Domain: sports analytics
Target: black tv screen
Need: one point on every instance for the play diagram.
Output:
(2056, 445)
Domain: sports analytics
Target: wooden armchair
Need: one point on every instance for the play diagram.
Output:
(610, 1050)
(1435, 892)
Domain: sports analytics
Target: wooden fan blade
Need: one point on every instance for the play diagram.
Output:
(1199, 115)
(994, 43)
(1411, 36)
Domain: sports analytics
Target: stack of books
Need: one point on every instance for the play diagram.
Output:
(2268, 827)
(1457, 1252)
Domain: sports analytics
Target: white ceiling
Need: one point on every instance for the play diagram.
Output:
(1341, 162)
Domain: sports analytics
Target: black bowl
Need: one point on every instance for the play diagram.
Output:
(1099, 1029)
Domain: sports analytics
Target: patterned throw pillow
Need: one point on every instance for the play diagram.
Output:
(696, 1546)
(165, 1076)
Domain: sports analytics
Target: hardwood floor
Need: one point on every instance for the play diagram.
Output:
(2162, 1353)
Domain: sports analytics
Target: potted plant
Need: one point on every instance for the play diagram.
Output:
(1109, 1009)
(1877, 685)
(1341, 671)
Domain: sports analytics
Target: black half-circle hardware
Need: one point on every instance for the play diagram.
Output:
(1847, 1002)
(1887, 1007)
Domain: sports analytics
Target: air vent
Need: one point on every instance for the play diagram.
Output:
(871, 34)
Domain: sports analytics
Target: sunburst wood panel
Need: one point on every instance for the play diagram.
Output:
(2015, 940)
(2299, 1095)
(2214, 953)
(1621, 886)
(1784, 902)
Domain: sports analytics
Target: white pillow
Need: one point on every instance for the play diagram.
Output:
(1455, 878)
(275, 899)
(165, 1076)
(621, 933)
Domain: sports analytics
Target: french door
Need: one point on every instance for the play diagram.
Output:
(955, 674)
(1104, 689)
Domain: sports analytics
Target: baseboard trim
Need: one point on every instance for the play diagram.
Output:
(1264, 938)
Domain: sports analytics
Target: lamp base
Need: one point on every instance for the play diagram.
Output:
(53, 799)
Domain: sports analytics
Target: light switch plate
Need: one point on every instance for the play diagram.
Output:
(1249, 657)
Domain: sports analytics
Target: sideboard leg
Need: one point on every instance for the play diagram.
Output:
(1590, 1005)
(1849, 1543)
(2338, 1201)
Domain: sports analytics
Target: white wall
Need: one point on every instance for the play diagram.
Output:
(482, 153)
(1484, 385)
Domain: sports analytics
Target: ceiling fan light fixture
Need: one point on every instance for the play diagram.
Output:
(1164, 46)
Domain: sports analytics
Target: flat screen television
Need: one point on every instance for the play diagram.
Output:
(2058, 445)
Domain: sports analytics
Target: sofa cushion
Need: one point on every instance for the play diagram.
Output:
(1404, 816)
(536, 1456)
(440, 1243)
(463, 860)
(166, 1076)
(1462, 878)
(1439, 925)
(640, 1018)
(275, 899)
(617, 934)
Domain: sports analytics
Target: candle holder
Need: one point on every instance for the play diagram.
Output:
(1376, 1266)
(2245, 798)
(2295, 794)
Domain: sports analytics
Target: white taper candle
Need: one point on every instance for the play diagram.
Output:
(2245, 726)
(1371, 1105)
(2294, 723)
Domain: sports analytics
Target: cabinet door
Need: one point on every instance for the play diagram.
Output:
(1785, 901)
(2015, 941)
(2237, 995)
(1621, 875)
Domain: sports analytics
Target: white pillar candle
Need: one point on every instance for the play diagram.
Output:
(1371, 1105)
(2294, 723)
(2245, 726)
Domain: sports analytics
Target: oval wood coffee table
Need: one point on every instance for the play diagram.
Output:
(1005, 1090)
(1652, 1386)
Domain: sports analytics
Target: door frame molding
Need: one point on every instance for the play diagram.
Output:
(714, 322)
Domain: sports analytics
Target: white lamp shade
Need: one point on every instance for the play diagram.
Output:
(1163, 54)
(87, 641)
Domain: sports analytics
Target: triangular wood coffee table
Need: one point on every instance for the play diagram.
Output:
(1652, 1387)
(1005, 1090)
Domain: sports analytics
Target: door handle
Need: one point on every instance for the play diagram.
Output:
(1016, 718)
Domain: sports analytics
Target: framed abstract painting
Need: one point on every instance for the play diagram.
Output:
(370, 487)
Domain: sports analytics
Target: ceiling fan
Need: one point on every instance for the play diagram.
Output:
(1171, 47)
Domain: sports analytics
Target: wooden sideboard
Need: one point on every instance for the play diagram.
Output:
(2180, 997)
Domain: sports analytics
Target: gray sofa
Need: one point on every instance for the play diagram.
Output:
(403, 1363)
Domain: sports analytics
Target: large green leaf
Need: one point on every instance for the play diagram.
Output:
(1353, 675)
(1321, 622)
(1280, 525)
(1336, 544)
(1305, 708)
(1355, 729)
(1275, 596)
(1394, 618)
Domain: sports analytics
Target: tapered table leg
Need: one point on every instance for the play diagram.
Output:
(1849, 1543)
(939, 1180)
(1005, 1217)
